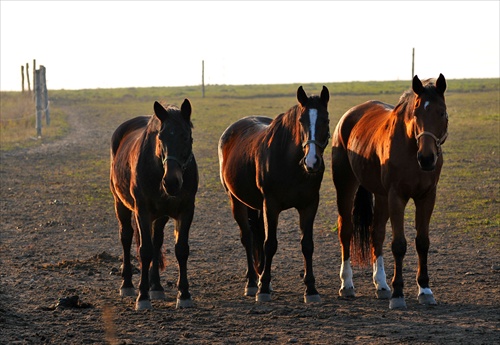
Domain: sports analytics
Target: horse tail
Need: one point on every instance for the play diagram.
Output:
(256, 222)
(362, 217)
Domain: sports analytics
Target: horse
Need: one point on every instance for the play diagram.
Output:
(270, 165)
(154, 177)
(393, 153)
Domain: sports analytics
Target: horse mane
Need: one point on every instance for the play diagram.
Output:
(407, 98)
(286, 121)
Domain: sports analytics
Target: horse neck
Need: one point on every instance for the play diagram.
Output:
(404, 115)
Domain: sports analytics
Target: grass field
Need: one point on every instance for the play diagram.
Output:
(470, 179)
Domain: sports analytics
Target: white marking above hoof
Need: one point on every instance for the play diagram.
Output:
(184, 303)
(383, 294)
(397, 303)
(157, 295)
(312, 299)
(127, 292)
(143, 305)
(426, 299)
(263, 297)
(251, 291)
(347, 292)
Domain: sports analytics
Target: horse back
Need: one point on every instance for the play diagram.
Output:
(127, 130)
(125, 147)
(369, 115)
(238, 148)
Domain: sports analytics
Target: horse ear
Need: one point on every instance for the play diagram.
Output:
(160, 112)
(441, 84)
(417, 86)
(325, 96)
(186, 110)
(301, 96)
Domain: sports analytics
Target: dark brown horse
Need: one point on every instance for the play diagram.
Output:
(395, 154)
(268, 166)
(154, 177)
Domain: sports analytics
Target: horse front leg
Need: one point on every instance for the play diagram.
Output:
(181, 232)
(307, 216)
(271, 215)
(156, 290)
(146, 250)
(424, 209)
(396, 211)
(124, 216)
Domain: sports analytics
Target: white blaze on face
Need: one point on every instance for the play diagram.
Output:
(310, 159)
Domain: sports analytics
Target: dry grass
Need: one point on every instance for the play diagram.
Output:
(18, 122)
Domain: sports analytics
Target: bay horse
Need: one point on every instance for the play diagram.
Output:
(393, 153)
(154, 177)
(270, 165)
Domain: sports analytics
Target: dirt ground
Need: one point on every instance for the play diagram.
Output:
(60, 261)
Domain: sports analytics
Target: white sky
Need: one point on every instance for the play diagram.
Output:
(99, 44)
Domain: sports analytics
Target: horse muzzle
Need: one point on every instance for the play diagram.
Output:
(313, 164)
(427, 162)
(172, 179)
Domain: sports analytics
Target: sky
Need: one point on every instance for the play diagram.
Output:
(110, 44)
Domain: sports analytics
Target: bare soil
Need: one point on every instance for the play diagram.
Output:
(60, 264)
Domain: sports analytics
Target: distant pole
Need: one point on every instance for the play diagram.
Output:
(28, 77)
(38, 102)
(412, 63)
(34, 71)
(22, 78)
(203, 78)
(45, 96)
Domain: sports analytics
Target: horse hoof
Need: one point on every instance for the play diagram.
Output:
(397, 303)
(143, 305)
(251, 291)
(347, 292)
(383, 294)
(127, 292)
(426, 299)
(184, 303)
(263, 297)
(157, 295)
(312, 299)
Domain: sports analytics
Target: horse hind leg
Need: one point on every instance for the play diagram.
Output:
(242, 215)
(124, 216)
(345, 195)
(380, 218)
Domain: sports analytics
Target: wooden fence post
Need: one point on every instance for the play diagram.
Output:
(22, 78)
(38, 102)
(45, 96)
(203, 78)
(28, 77)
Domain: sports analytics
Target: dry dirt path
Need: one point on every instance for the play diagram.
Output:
(57, 242)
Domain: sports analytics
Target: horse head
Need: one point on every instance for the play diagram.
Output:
(315, 128)
(429, 121)
(174, 144)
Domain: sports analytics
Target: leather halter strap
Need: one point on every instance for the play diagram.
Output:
(183, 165)
(438, 141)
(322, 145)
